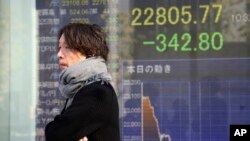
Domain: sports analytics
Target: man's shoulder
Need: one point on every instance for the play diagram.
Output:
(97, 88)
(99, 85)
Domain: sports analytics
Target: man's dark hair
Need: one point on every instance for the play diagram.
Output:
(88, 39)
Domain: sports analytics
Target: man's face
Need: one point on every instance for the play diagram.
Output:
(66, 55)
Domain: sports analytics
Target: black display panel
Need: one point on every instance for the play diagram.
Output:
(180, 68)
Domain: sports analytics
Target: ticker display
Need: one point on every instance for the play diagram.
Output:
(189, 29)
(205, 42)
(173, 15)
(180, 68)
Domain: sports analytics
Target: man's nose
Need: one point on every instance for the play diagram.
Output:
(59, 54)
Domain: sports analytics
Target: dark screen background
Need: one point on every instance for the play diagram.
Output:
(180, 68)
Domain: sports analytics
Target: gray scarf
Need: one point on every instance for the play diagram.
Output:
(78, 75)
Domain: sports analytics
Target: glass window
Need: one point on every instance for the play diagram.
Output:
(18, 73)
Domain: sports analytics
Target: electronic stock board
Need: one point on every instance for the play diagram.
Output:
(180, 67)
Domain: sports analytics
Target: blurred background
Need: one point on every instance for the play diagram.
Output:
(180, 67)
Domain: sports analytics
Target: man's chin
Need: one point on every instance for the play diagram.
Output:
(62, 67)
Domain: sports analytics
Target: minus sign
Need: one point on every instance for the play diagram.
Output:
(148, 43)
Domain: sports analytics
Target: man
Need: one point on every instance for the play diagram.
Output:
(91, 108)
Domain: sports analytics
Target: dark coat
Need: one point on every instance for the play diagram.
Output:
(93, 113)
